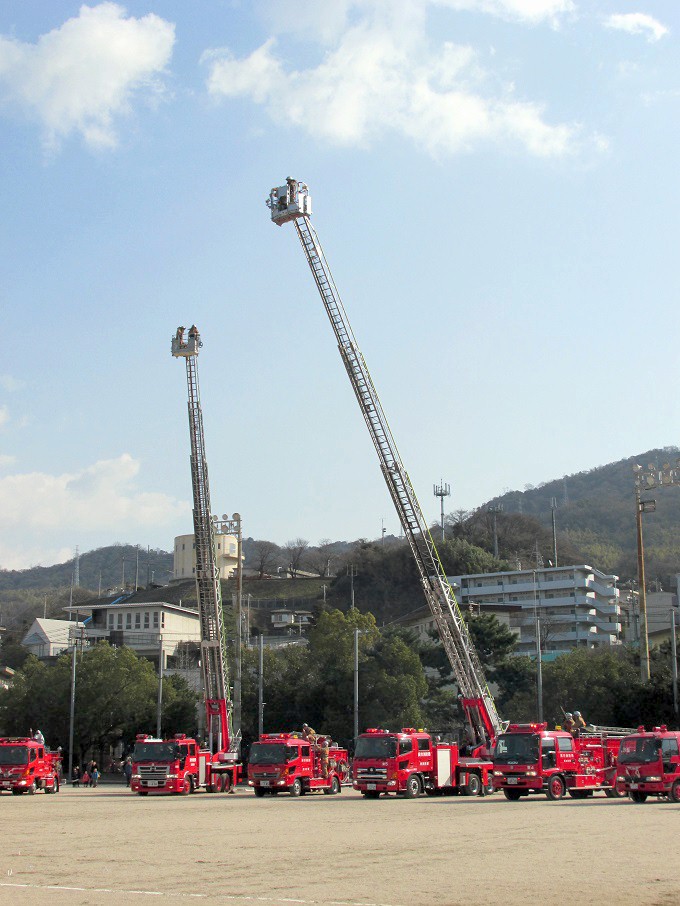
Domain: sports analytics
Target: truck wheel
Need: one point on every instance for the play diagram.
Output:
(512, 795)
(412, 787)
(473, 787)
(187, 787)
(334, 788)
(614, 793)
(17, 792)
(296, 789)
(259, 792)
(555, 789)
(31, 789)
(638, 797)
(227, 781)
(370, 794)
(142, 792)
(674, 795)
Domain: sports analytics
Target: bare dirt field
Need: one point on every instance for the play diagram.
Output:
(108, 846)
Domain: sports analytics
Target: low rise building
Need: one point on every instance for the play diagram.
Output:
(49, 638)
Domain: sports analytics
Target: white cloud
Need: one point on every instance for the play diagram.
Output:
(530, 11)
(102, 498)
(82, 76)
(637, 24)
(384, 76)
(11, 384)
(6, 460)
(4, 415)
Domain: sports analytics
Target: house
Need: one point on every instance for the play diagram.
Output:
(156, 630)
(49, 638)
(226, 553)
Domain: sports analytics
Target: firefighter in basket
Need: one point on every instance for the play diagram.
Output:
(324, 754)
(569, 723)
(579, 722)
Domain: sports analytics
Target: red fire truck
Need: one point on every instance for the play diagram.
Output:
(649, 764)
(27, 766)
(289, 763)
(529, 758)
(179, 765)
(411, 762)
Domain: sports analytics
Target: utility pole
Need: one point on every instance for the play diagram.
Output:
(553, 507)
(539, 664)
(356, 684)
(642, 506)
(260, 691)
(159, 704)
(495, 510)
(351, 572)
(674, 664)
(137, 570)
(441, 490)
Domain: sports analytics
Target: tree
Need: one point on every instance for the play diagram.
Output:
(319, 557)
(265, 554)
(295, 551)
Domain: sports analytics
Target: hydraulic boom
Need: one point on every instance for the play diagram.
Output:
(208, 590)
(292, 202)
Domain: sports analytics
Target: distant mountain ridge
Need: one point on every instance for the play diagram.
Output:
(595, 513)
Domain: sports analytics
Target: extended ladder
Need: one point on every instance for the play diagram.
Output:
(292, 203)
(208, 589)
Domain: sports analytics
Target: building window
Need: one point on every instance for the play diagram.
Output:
(232, 548)
(138, 621)
(146, 620)
(183, 546)
(163, 620)
(155, 619)
(111, 620)
(128, 621)
(120, 620)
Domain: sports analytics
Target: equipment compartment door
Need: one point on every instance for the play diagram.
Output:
(444, 773)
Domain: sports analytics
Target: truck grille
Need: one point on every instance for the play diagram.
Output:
(373, 775)
(153, 771)
(265, 775)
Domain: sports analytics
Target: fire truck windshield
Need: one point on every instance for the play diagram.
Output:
(156, 751)
(516, 748)
(376, 747)
(13, 755)
(639, 750)
(271, 753)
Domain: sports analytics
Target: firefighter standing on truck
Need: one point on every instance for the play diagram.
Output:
(569, 723)
(579, 722)
(324, 756)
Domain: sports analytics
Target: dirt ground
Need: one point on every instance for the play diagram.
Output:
(107, 845)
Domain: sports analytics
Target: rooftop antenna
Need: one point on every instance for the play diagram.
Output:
(442, 490)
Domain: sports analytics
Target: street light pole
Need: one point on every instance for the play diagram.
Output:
(73, 701)
(260, 691)
(356, 684)
(495, 510)
(674, 664)
(642, 591)
(159, 703)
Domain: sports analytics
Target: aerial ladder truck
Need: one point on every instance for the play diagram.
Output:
(181, 765)
(292, 203)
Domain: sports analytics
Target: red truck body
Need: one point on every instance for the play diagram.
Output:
(27, 766)
(529, 758)
(180, 765)
(411, 763)
(649, 764)
(289, 763)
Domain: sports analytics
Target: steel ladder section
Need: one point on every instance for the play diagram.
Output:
(439, 594)
(211, 616)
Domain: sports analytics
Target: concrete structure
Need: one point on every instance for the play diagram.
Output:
(48, 638)
(184, 564)
(290, 621)
(149, 628)
(578, 605)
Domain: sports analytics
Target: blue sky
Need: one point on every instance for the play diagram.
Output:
(495, 184)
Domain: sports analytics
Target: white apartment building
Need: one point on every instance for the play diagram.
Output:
(578, 606)
(184, 562)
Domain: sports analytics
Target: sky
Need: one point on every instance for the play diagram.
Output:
(495, 184)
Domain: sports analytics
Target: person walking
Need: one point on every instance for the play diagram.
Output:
(127, 770)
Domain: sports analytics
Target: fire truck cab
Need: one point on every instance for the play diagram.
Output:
(529, 758)
(26, 766)
(410, 763)
(178, 765)
(649, 765)
(289, 763)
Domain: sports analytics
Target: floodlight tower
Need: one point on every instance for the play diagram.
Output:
(442, 490)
